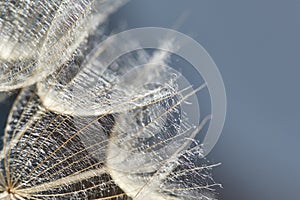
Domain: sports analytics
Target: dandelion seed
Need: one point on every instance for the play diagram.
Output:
(146, 153)
(36, 37)
(93, 83)
(153, 153)
(43, 156)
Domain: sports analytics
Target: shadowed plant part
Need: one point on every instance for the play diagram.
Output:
(3, 96)
(43, 156)
(36, 37)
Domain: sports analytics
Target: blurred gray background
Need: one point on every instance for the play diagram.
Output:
(256, 46)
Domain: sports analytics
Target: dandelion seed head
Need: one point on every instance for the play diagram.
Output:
(101, 122)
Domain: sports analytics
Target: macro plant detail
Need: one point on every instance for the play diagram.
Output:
(87, 124)
(39, 36)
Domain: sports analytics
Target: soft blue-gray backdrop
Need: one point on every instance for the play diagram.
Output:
(256, 46)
